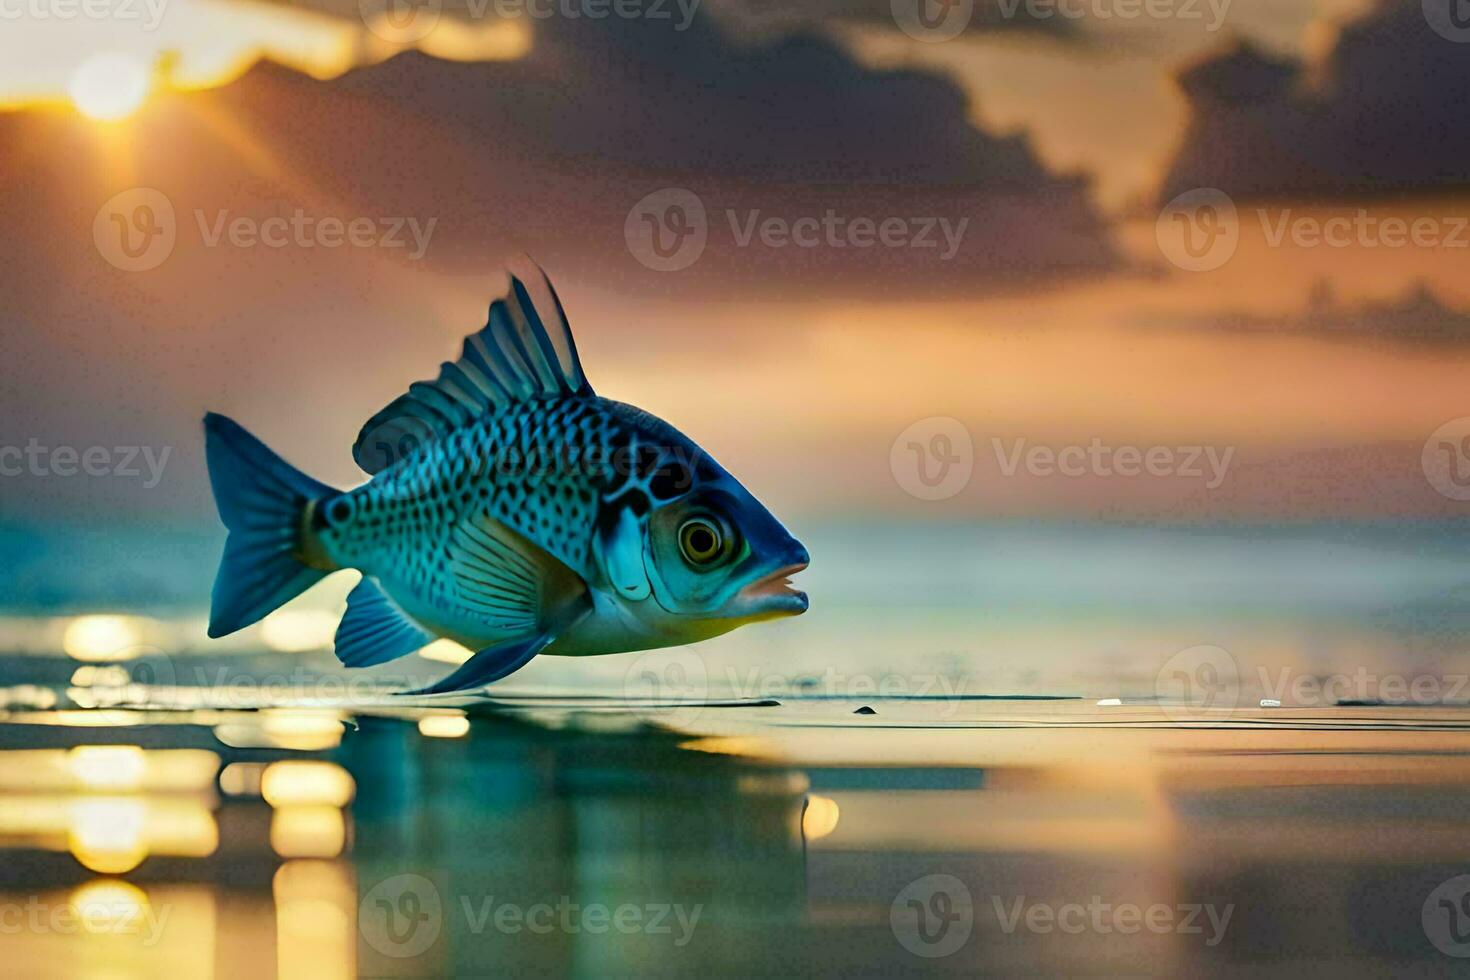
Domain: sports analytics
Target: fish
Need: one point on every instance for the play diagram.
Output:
(509, 508)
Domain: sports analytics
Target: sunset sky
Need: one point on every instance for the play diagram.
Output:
(1062, 317)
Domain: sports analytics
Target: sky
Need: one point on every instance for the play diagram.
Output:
(1238, 236)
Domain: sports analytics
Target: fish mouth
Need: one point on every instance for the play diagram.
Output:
(772, 595)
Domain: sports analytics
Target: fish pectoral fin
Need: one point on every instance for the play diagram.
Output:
(524, 351)
(512, 585)
(490, 665)
(375, 629)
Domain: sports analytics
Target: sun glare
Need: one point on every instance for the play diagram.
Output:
(109, 86)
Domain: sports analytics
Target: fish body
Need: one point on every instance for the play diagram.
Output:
(511, 510)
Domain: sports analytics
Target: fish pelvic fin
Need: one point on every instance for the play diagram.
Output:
(489, 665)
(264, 503)
(375, 629)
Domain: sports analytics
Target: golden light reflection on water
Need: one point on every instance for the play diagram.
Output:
(304, 730)
(103, 638)
(444, 726)
(307, 782)
(107, 768)
(112, 835)
(242, 778)
(106, 835)
(819, 818)
(109, 905)
(316, 920)
(315, 831)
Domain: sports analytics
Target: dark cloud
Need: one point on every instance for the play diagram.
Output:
(1387, 109)
(766, 18)
(601, 114)
(550, 153)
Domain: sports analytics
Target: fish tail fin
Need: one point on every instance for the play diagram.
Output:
(262, 500)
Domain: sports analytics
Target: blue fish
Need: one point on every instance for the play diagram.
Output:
(511, 510)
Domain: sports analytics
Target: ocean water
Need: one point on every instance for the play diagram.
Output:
(988, 750)
(975, 609)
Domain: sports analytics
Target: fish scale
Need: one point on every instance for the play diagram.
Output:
(542, 468)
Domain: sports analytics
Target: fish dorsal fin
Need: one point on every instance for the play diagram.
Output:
(525, 351)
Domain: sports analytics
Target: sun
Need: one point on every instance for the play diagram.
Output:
(109, 86)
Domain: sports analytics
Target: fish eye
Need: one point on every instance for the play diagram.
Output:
(702, 541)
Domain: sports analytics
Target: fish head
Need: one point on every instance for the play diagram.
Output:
(714, 553)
